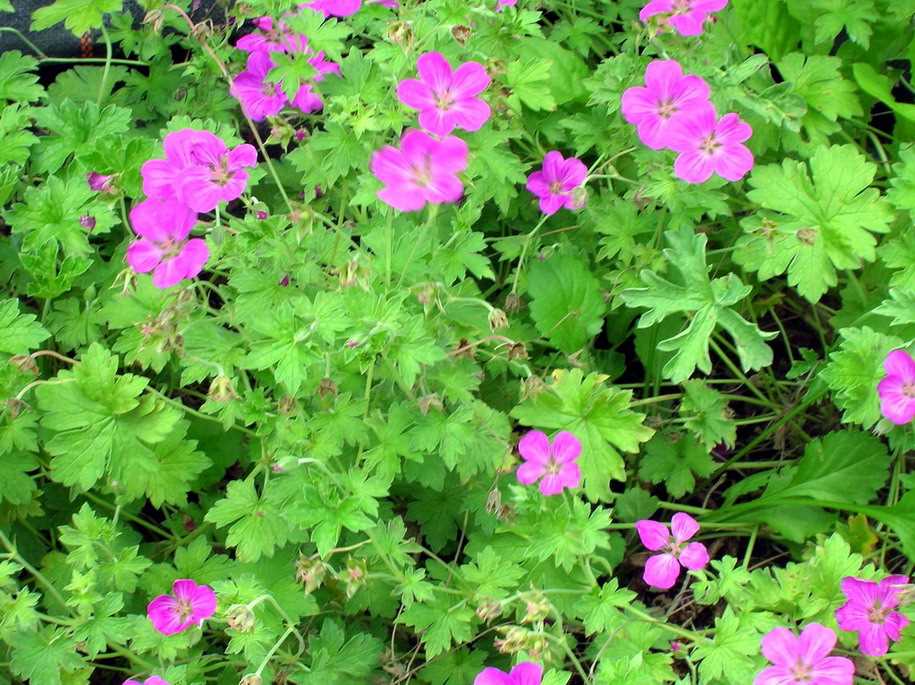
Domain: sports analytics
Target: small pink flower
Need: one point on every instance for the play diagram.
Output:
(525, 673)
(151, 680)
(897, 389)
(163, 247)
(198, 169)
(711, 146)
(804, 659)
(871, 612)
(87, 221)
(422, 170)
(556, 182)
(100, 183)
(188, 605)
(662, 570)
(505, 3)
(668, 97)
(686, 16)
(274, 36)
(556, 464)
(446, 99)
(258, 97)
(334, 8)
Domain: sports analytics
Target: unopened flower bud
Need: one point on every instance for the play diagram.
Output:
(286, 405)
(87, 221)
(300, 135)
(497, 319)
(354, 575)
(14, 407)
(327, 388)
(310, 573)
(579, 198)
(517, 351)
(461, 33)
(155, 18)
(100, 183)
(240, 617)
(489, 610)
(514, 641)
(537, 609)
(513, 303)
(401, 33)
(532, 387)
(221, 390)
(261, 214)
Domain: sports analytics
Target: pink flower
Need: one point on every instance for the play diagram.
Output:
(446, 99)
(525, 673)
(99, 182)
(662, 570)
(668, 97)
(163, 247)
(897, 389)
(804, 659)
(556, 182)
(505, 3)
(274, 36)
(870, 612)
(390, 4)
(189, 606)
(151, 680)
(258, 97)
(556, 464)
(422, 170)
(711, 146)
(686, 16)
(305, 98)
(198, 169)
(334, 8)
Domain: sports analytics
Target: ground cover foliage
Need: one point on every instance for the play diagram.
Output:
(548, 341)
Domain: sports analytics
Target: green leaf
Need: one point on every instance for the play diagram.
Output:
(731, 651)
(491, 576)
(440, 623)
(457, 667)
(529, 81)
(257, 525)
(566, 302)
(337, 661)
(78, 15)
(79, 129)
(880, 87)
(17, 139)
(598, 415)
(43, 656)
(18, 448)
(705, 412)
(602, 608)
(817, 79)
(709, 304)
(21, 332)
(827, 217)
(674, 462)
(902, 182)
(854, 16)
(18, 83)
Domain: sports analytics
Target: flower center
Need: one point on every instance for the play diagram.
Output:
(171, 248)
(184, 609)
(666, 109)
(444, 99)
(221, 173)
(710, 145)
(553, 467)
(878, 613)
(682, 7)
(422, 173)
(675, 547)
(801, 672)
(556, 188)
(908, 389)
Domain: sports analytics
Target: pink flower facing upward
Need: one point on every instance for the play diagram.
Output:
(871, 612)
(198, 169)
(556, 182)
(422, 170)
(554, 465)
(686, 16)
(668, 97)
(897, 389)
(151, 680)
(708, 145)
(258, 97)
(163, 247)
(662, 570)
(273, 36)
(804, 659)
(446, 99)
(189, 605)
(525, 673)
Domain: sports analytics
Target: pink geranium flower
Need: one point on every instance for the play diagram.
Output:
(662, 570)
(686, 16)
(188, 605)
(446, 99)
(273, 36)
(163, 247)
(334, 8)
(711, 146)
(556, 182)
(667, 98)
(897, 389)
(198, 169)
(258, 97)
(422, 170)
(151, 680)
(505, 3)
(556, 464)
(804, 659)
(871, 612)
(525, 673)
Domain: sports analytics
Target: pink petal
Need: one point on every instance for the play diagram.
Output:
(434, 69)
(637, 104)
(529, 472)
(853, 616)
(469, 80)
(155, 680)
(526, 673)
(815, 643)
(691, 24)
(732, 129)
(550, 204)
(687, 132)
(203, 604)
(780, 646)
(389, 166)
(143, 256)
(573, 174)
(873, 640)
(169, 272)
(163, 614)
(710, 5)
(570, 475)
(551, 484)
(683, 526)
(895, 404)
(450, 155)
(159, 221)
(418, 145)
(694, 556)
(661, 571)
(656, 7)
(470, 114)
(538, 185)
(661, 76)
(416, 94)
(534, 447)
(654, 535)
(493, 676)
(552, 166)
(894, 625)
(199, 191)
(900, 363)
(653, 132)
(444, 187)
(858, 590)
(735, 162)
(833, 670)
(441, 122)
(566, 447)
(192, 257)
(158, 178)
(775, 675)
(242, 156)
(403, 198)
(694, 167)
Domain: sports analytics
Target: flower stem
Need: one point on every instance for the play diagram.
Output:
(104, 83)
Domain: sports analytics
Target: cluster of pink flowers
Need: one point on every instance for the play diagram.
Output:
(673, 111)
(688, 17)
(259, 98)
(189, 605)
(425, 168)
(198, 173)
(897, 389)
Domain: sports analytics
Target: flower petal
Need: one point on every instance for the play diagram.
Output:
(774, 675)
(694, 556)
(163, 614)
(566, 447)
(434, 69)
(661, 571)
(900, 363)
(815, 643)
(873, 640)
(527, 673)
(833, 670)
(469, 80)
(534, 447)
(143, 256)
(529, 472)
(192, 257)
(493, 676)
(416, 94)
(654, 535)
(683, 526)
(780, 646)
